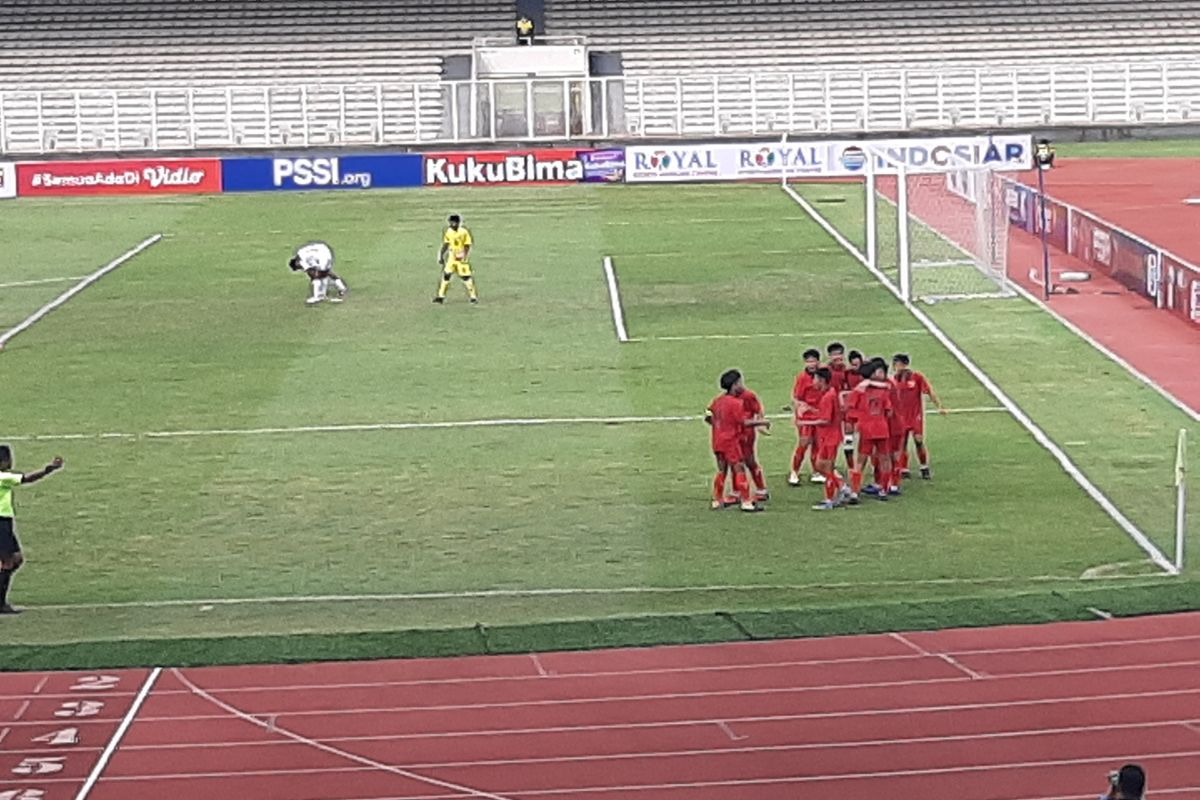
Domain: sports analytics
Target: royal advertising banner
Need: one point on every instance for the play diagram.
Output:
(545, 166)
(824, 159)
(301, 173)
(8, 181)
(132, 177)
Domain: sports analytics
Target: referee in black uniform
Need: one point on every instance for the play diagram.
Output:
(10, 549)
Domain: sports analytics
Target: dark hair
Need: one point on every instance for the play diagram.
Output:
(869, 367)
(729, 378)
(1131, 781)
(835, 347)
(455, 218)
(825, 373)
(853, 354)
(902, 358)
(811, 353)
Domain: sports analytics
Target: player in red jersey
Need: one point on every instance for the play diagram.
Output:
(804, 393)
(727, 416)
(754, 411)
(911, 388)
(827, 420)
(871, 401)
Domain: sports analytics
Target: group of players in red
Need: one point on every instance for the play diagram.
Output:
(849, 403)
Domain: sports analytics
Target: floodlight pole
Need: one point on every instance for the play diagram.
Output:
(1043, 224)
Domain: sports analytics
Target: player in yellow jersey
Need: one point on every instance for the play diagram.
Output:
(455, 259)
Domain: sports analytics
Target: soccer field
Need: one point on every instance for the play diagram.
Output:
(225, 442)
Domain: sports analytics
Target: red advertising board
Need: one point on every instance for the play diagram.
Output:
(142, 176)
(504, 167)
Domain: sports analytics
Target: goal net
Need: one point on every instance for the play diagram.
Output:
(932, 233)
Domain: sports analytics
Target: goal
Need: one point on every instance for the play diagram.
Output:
(931, 233)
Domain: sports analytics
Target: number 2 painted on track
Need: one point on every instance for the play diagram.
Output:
(95, 683)
(59, 738)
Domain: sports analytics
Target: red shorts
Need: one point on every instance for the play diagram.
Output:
(730, 451)
(915, 426)
(807, 431)
(878, 445)
(827, 449)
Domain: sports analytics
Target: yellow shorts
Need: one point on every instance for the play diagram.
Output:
(460, 268)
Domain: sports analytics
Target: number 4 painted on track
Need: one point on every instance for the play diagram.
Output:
(58, 738)
(95, 683)
(22, 794)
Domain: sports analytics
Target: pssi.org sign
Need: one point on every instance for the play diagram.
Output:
(321, 172)
(829, 159)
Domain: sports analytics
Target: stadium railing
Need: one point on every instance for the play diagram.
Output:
(676, 106)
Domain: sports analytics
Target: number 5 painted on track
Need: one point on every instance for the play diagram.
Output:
(22, 794)
(40, 766)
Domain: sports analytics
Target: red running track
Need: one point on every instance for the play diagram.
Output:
(1017, 713)
(1145, 196)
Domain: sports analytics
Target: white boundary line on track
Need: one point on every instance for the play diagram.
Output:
(739, 667)
(378, 765)
(368, 427)
(948, 659)
(776, 690)
(111, 748)
(40, 282)
(484, 594)
(33, 318)
(1040, 436)
(655, 754)
(614, 299)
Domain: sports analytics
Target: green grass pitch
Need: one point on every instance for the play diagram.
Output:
(207, 333)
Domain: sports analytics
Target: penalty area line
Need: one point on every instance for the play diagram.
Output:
(87, 281)
(406, 426)
(794, 335)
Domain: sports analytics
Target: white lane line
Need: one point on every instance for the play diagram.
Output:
(537, 664)
(958, 665)
(3, 734)
(367, 762)
(740, 782)
(725, 729)
(1193, 726)
(41, 684)
(517, 422)
(604, 592)
(1104, 615)
(40, 282)
(21, 710)
(666, 696)
(111, 748)
(33, 318)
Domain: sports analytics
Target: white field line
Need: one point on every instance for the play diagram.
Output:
(1039, 435)
(119, 734)
(484, 594)
(792, 335)
(40, 282)
(295, 737)
(949, 659)
(33, 318)
(882, 660)
(403, 426)
(614, 299)
(776, 691)
(651, 755)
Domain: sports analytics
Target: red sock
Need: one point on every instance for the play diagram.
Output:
(741, 485)
(904, 460)
(856, 477)
(923, 455)
(719, 486)
(760, 480)
(897, 477)
(831, 485)
(884, 480)
(798, 458)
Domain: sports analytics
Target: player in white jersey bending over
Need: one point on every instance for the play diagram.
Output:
(315, 259)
